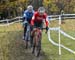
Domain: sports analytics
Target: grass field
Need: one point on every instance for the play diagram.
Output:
(12, 46)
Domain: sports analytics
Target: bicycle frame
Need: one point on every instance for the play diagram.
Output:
(37, 34)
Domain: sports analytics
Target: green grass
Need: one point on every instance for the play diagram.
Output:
(12, 46)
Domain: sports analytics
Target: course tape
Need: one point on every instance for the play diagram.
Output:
(56, 44)
(62, 32)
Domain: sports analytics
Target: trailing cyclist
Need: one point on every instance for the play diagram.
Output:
(27, 16)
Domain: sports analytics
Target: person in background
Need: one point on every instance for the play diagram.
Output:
(27, 16)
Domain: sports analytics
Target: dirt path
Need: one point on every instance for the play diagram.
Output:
(19, 52)
(15, 49)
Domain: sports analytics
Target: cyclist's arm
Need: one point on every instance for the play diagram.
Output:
(32, 20)
(46, 20)
(24, 15)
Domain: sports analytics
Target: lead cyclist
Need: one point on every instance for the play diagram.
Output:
(38, 18)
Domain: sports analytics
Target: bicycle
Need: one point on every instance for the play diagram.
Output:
(37, 36)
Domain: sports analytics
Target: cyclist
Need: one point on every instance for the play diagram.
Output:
(27, 16)
(37, 20)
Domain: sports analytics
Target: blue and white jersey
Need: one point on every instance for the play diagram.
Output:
(28, 15)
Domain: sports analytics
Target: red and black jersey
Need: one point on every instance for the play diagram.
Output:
(38, 18)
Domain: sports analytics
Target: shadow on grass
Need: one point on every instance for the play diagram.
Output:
(13, 48)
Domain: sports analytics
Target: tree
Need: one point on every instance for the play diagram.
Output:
(50, 6)
(56, 6)
(12, 7)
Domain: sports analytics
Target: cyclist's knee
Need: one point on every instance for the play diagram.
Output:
(40, 32)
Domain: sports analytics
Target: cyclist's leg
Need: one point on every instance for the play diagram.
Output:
(28, 32)
(25, 28)
(24, 33)
(31, 36)
(32, 32)
(40, 35)
(27, 36)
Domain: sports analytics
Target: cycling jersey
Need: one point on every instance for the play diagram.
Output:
(37, 18)
(28, 15)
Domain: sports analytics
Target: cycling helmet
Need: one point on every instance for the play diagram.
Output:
(41, 10)
(30, 8)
